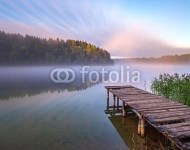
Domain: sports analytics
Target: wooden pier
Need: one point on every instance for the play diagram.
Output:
(170, 118)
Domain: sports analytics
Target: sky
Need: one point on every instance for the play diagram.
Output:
(127, 28)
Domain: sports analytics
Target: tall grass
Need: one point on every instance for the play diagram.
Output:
(175, 87)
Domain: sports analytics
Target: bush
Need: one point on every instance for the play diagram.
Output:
(174, 87)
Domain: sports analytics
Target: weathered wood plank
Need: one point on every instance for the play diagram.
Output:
(138, 97)
(145, 102)
(128, 90)
(154, 105)
(181, 129)
(177, 125)
(120, 86)
(165, 111)
(132, 98)
(141, 100)
(163, 108)
(153, 111)
(127, 94)
(169, 119)
(180, 135)
(185, 108)
(186, 145)
(166, 114)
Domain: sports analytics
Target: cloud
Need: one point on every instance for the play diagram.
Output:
(24, 29)
(99, 22)
(135, 42)
(85, 20)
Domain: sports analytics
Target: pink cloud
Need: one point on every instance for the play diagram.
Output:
(134, 42)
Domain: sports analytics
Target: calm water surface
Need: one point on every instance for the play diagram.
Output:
(36, 113)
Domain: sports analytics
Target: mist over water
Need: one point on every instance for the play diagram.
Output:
(37, 113)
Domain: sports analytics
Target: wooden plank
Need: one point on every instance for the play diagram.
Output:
(128, 94)
(177, 125)
(166, 114)
(129, 91)
(148, 95)
(120, 89)
(153, 111)
(120, 86)
(181, 129)
(152, 105)
(186, 145)
(180, 135)
(125, 98)
(161, 113)
(185, 108)
(179, 110)
(128, 99)
(144, 102)
(139, 99)
(168, 119)
(155, 107)
(163, 108)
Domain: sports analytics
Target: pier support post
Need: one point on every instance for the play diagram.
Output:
(123, 109)
(127, 109)
(142, 126)
(108, 93)
(113, 111)
(139, 126)
(114, 100)
(117, 103)
(107, 103)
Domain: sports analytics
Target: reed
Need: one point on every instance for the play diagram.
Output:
(175, 87)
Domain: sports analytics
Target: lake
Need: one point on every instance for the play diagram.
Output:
(37, 113)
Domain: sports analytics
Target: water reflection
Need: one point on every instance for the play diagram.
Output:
(67, 120)
(50, 117)
(127, 129)
(22, 81)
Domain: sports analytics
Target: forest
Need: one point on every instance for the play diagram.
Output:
(168, 59)
(16, 49)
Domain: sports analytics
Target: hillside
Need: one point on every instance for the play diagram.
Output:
(29, 50)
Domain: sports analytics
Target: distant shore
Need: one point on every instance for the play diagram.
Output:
(169, 59)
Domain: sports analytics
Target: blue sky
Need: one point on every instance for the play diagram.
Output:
(131, 28)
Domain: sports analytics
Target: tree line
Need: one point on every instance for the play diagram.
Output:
(18, 49)
(170, 59)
